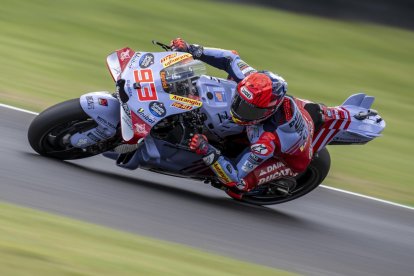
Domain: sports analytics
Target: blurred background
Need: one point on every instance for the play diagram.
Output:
(51, 51)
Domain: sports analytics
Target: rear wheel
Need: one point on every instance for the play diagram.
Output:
(49, 133)
(284, 190)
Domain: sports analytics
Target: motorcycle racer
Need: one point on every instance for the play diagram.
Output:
(277, 125)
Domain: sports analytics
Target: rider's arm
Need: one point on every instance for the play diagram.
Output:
(228, 61)
(261, 150)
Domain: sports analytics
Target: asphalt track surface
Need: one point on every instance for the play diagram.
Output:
(323, 233)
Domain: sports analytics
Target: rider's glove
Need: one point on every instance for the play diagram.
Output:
(180, 45)
(199, 144)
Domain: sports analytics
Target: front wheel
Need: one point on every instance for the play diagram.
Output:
(49, 133)
(282, 191)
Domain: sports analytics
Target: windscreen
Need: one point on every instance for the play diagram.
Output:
(179, 78)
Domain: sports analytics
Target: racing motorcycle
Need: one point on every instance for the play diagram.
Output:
(162, 99)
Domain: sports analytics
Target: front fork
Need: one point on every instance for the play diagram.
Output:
(103, 108)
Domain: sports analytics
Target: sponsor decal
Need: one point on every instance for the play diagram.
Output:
(168, 57)
(124, 55)
(241, 185)
(102, 121)
(299, 125)
(102, 133)
(248, 166)
(248, 71)
(81, 142)
(271, 168)
(283, 173)
(134, 60)
(260, 149)
(145, 116)
(145, 85)
(181, 106)
(164, 82)
(140, 129)
(242, 65)
(102, 101)
(209, 159)
(93, 137)
(339, 139)
(175, 59)
(229, 168)
(157, 109)
(186, 100)
(219, 96)
(91, 104)
(146, 60)
(220, 172)
(254, 159)
(246, 93)
(127, 118)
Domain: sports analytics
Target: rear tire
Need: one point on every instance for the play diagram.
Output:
(50, 131)
(307, 181)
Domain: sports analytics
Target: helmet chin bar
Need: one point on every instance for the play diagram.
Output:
(245, 123)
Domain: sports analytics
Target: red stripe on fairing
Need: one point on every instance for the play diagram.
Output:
(339, 122)
(328, 140)
(317, 136)
(342, 124)
(349, 118)
(320, 138)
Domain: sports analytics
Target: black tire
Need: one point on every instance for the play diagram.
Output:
(307, 181)
(49, 131)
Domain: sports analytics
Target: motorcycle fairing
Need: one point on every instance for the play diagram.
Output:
(148, 101)
(117, 61)
(342, 125)
(217, 94)
(104, 110)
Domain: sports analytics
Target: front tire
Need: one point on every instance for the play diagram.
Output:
(307, 181)
(50, 131)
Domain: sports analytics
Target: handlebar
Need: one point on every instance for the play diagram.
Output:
(164, 46)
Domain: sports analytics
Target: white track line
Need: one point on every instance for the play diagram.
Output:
(367, 197)
(18, 109)
(323, 186)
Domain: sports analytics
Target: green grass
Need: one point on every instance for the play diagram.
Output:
(37, 243)
(55, 50)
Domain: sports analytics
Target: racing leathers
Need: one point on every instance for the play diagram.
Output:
(286, 136)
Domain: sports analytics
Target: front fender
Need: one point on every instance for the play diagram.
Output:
(103, 108)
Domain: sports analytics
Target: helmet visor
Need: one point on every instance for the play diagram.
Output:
(245, 111)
